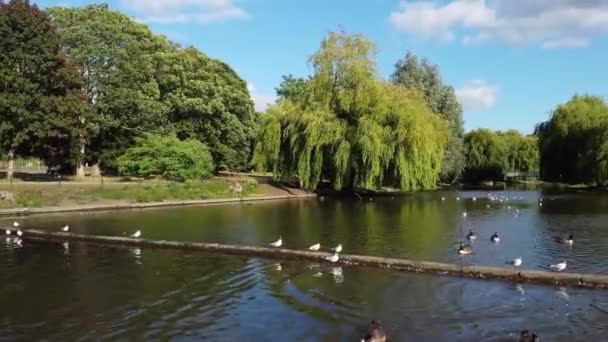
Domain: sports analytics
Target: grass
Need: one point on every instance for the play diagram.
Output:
(70, 194)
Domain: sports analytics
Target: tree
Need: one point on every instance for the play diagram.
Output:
(117, 58)
(293, 88)
(426, 78)
(41, 107)
(572, 142)
(491, 155)
(167, 156)
(140, 83)
(208, 101)
(350, 128)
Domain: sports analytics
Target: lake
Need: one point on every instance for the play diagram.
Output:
(85, 292)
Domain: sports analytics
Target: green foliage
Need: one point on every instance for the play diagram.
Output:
(293, 88)
(207, 101)
(574, 142)
(490, 155)
(168, 157)
(41, 108)
(140, 83)
(426, 78)
(346, 126)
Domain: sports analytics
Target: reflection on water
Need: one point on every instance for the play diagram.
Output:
(67, 291)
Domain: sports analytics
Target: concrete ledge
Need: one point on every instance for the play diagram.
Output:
(479, 272)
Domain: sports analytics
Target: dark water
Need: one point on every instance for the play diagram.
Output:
(84, 292)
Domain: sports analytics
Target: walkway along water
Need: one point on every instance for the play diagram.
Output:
(480, 272)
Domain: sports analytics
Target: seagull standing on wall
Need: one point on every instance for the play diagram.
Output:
(277, 243)
(65, 228)
(515, 262)
(559, 267)
(338, 249)
(136, 235)
(315, 247)
(16, 224)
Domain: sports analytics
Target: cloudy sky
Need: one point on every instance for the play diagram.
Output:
(510, 61)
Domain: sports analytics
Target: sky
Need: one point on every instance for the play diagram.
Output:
(511, 62)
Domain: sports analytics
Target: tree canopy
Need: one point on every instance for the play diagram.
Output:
(346, 126)
(441, 99)
(574, 142)
(141, 83)
(41, 106)
(490, 155)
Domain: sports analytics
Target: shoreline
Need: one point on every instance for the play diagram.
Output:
(149, 205)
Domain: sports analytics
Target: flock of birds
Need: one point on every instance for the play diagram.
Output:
(335, 257)
(466, 249)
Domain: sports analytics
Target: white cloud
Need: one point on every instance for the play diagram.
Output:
(262, 101)
(565, 43)
(476, 95)
(517, 22)
(185, 11)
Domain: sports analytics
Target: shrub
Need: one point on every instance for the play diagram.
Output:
(166, 156)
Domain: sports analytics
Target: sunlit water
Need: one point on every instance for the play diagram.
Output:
(83, 292)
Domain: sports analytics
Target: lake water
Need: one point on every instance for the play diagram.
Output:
(76, 291)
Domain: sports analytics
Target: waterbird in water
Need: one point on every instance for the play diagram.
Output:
(277, 243)
(315, 247)
(471, 235)
(464, 249)
(8, 232)
(515, 262)
(19, 233)
(495, 238)
(458, 198)
(565, 241)
(375, 332)
(65, 228)
(559, 267)
(443, 198)
(528, 336)
(338, 248)
(474, 199)
(333, 258)
(464, 214)
(136, 235)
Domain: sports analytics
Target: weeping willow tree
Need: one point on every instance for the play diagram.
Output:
(350, 128)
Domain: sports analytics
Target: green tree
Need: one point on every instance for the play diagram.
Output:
(41, 107)
(167, 156)
(426, 78)
(208, 101)
(293, 88)
(350, 128)
(117, 58)
(572, 142)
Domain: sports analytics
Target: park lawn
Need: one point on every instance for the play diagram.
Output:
(29, 195)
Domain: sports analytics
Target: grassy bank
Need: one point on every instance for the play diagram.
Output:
(32, 195)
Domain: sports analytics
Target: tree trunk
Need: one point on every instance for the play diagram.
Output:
(11, 166)
(80, 163)
(96, 170)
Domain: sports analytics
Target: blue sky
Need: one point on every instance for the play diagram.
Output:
(510, 61)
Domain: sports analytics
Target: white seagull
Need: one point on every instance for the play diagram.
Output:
(443, 198)
(136, 235)
(559, 267)
(464, 214)
(65, 228)
(334, 258)
(515, 262)
(8, 232)
(15, 224)
(338, 249)
(19, 233)
(315, 247)
(474, 199)
(277, 243)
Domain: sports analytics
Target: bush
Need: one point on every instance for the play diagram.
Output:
(166, 156)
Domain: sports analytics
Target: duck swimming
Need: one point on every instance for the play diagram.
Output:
(528, 336)
(471, 235)
(495, 238)
(464, 249)
(375, 332)
(565, 241)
